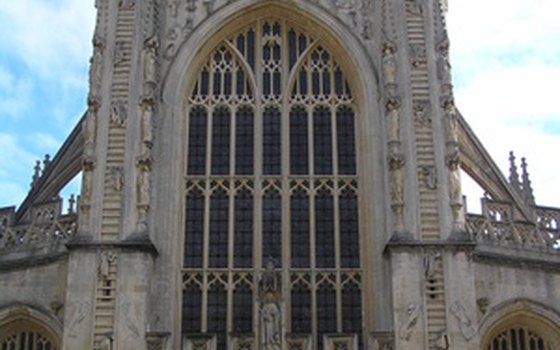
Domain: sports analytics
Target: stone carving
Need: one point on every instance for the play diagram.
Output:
(106, 342)
(126, 4)
(430, 176)
(270, 318)
(422, 111)
(465, 324)
(130, 318)
(119, 113)
(411, 318)
(106, 259)
(80, 314)
(96, 66)
(483, 304)
(173, 8)
(270, 326)
(120, 53)
(431, 264)
(150, 66)
(89, 130)
(442, 341)
(389, 63)
(417, 55)
(117, 178)
(414, 8)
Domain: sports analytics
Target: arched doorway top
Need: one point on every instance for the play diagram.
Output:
(313, 19)
(527, 314)
(25, 322)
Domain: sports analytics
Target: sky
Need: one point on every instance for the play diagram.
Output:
(505, 57)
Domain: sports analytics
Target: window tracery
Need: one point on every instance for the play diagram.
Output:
(271, 173)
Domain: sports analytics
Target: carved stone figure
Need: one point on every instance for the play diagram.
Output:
(119, 55)
(411, 317)
(106, 259)
(147, 135)
(119, 113)
(126, 4)
(414, 7)
(117, 178)
(150, 63)
(144, 187)
(422, 111)
(431, 262)
(442, 341)
(96, 65)
(392, 109)
(389, 63)
(106, 342)
(270, 326)
(81, 311)
(270, 280)
(430, 177)
(465, 324)
(417, 55)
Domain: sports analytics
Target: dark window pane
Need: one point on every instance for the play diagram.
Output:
(349, 234)
(218, 229)
(192, 301)
(299, 222)
(301, 310)
(326, 312)
(271, 141)
(299, 162)
(292, 48)
(196, 161)
(217, 314)
(243, 229)
(272, 227)
(220, 141)
(324, 226)
(194, 229)
(322, 141)
(251, 48)
(351, 309)
(346, 141)
(244, 141)
(243, 309)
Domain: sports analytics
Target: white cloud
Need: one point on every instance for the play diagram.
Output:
(16, 170)
(506, 67)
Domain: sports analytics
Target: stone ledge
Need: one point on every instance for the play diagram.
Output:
(27, 259)
(516, 257)
(139, 243)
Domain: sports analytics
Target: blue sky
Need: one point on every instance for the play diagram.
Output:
(505, 56)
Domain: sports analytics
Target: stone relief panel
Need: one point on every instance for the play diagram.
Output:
(182, 16)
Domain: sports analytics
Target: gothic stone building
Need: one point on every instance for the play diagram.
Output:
(274, 175)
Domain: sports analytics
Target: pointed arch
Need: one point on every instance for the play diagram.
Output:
(520, 324)
(25, 327)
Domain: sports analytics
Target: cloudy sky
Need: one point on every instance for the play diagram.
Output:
(506, 72)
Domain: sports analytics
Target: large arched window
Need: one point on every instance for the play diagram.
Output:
(271, 173)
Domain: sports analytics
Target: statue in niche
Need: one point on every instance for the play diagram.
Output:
(126, 4)
(119, 55)
(422, 111)
(430, 177)
(389, 63)
(96, 65)
(118, 113)
(270, 326)
(413, 7)
(392, 109)
(106, 342)
(147, 136)
(173, 8)
(270, 318)
(417, 55)
(143, 187)
(150, 63)
(431, 262)
(117, 178)
(412, 313)
(107, 259)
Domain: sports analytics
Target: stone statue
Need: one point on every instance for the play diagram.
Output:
(96, 66)
(150, 64)
(389, 64)
(118, 113)
(270, 326)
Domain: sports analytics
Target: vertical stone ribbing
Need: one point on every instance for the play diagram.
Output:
(423, 111)
(105, 296)
(111, 215)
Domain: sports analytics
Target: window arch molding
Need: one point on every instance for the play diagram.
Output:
(15, 319)
(543, 320)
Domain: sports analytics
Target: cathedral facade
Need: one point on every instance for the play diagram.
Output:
(276, 175)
